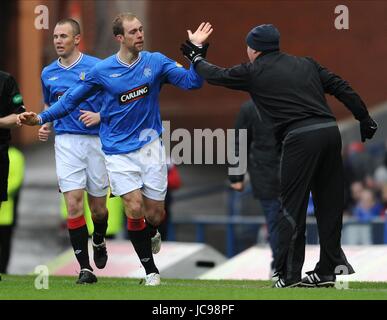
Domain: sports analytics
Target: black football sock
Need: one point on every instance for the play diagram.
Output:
(142, 244)
(100, 227)
(79, 236)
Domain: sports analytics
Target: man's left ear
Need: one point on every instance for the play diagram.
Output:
(119, 37)
(77, 39)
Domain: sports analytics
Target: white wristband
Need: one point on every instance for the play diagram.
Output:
(198, 45)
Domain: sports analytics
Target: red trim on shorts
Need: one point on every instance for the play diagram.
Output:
(76, 223)
(136, 224)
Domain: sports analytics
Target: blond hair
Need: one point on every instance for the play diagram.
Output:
(118, 27)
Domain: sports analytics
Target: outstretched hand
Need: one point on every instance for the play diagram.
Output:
(28, 118)
(201, 34)
(195, 49)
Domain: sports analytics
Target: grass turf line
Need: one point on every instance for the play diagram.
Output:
(14, 287)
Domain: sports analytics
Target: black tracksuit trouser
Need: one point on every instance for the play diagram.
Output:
(311, 162)
(4, 171)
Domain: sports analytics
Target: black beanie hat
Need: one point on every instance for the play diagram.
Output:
(264, 37)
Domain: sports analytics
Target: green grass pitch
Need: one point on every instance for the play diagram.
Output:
(14, 287)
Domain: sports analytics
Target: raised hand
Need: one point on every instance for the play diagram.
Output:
(90, 118)
(28, 118)
(201, 34)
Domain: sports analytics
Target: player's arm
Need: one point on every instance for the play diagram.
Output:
(174, 73)
(67, 103)
(64, 106)
(339, 88)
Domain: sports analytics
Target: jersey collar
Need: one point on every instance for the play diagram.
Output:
(127, 64)
(71, 65)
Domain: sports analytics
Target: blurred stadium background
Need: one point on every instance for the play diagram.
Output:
(204, 210)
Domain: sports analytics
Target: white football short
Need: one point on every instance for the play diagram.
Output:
(80, 164)
(143, 169)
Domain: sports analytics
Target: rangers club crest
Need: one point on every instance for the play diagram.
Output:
(147, 72)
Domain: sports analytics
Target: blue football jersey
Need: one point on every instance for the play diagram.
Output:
(130, 117)
(57, 79)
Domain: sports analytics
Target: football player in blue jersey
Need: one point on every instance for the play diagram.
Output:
(131, 128)
(80, 162)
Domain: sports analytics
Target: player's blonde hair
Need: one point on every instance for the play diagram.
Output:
(118, 22)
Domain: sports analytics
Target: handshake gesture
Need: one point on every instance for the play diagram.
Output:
(28, 118)
(194, 49)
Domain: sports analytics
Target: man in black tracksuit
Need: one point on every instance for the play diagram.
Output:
(263, 157)
(11, 103)
(291, 91)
